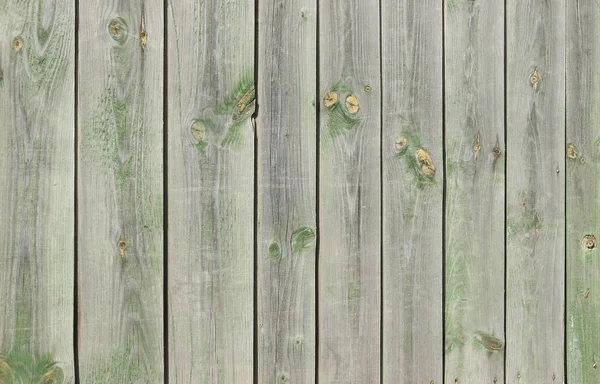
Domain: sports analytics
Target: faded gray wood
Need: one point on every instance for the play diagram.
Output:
(286, 182)
(412, 191)
(583, 192)
(120, 191)
(535, 202)
(349, 192)
(211, 191)
(36, 190)
(474, 54)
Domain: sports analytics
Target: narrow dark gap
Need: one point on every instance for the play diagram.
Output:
(566, 265)
(166, 191)
(380, 192)
(75, 203)
(505, 69)
(317, 184)
(444, 190)
(255, 212)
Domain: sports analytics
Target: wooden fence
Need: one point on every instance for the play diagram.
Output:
(299, 191)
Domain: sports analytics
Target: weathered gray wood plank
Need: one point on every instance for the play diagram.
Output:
(535, 191)
(474, 55)
(120, 186)
(211, 191)
(36, 190)
(412, 191)
(583, 191)
(286, 133)
(349, 192)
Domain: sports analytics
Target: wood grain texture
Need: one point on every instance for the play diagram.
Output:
(211, 191)
(535, 191)
(120, 188)
(583, 191)
(474, 55)
(349, 192)
(413, 175)
(286, 134)
(36, 190)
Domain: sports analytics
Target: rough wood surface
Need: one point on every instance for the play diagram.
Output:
(286, 182)
(211, 191)
(474, 55)
(412, 191)
(583, 191)
(535, 191)
(36, 190)
(120, 188)
(349, 192)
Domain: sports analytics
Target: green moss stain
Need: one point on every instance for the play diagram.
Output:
(341, 110)
(303, 239)
(417, 159)
(23, 368)
(199, 129)
(274, 251)
(353, 297)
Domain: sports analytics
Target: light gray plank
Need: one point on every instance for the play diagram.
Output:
(412, 191)
(349, 192)
(535, 204)
(474, 56)
(120, 184)
(211, 191)
(583, 191)
(286, 134)
(36, 190)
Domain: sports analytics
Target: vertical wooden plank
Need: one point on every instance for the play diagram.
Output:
(474, 100)
(535, 191)
(413, 175)
(286, 134)
(120, 200)
(36, 190)
(349, 192)
(583, 191)
(211, 191)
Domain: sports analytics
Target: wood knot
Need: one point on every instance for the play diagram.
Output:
(117, 30)
(17, 44)
(534, 79)
(197, 130)
(518, 375)
(121, 245)
(553, 377)
(401, 143)
(426, 165)
(589, 242)
(330, 99)
(582, 159)
(490, 342)
(352, 104)
(572, 151)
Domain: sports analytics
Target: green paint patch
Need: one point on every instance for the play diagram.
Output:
(416, 158)
(23, 368)
(274, 251)
(303, 239)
